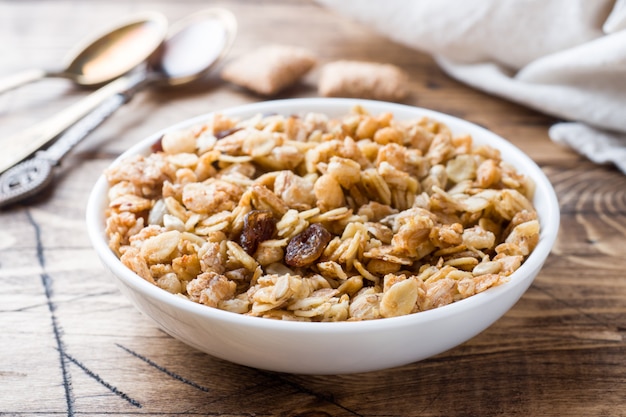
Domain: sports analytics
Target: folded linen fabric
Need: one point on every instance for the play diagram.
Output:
(566, 58)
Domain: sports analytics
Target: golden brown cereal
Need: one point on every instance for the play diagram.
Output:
(368, 80)
(400, 298)
(311, 218)
(269, 69)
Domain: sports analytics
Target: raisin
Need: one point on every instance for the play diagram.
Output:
(226, 132)
(258, 226)
(304, 248)
(157, 146)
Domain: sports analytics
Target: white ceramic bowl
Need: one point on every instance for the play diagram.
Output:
(331, 348)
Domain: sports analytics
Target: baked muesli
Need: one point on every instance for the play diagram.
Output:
(312, 218)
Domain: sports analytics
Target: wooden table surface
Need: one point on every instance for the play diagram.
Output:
(70, 344)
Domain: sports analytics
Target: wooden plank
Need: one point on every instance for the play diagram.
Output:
(72, 345)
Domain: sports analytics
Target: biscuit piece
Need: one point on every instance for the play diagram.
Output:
(270, 69)
(367, 80)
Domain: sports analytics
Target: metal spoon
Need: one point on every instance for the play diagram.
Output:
(184, 62)
(110, 56)
(105, 57)
(178, 61)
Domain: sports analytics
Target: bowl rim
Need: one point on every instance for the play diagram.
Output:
(549, 221)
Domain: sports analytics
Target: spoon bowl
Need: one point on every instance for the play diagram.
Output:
(116, 51)
(105, 57)
(179, 60)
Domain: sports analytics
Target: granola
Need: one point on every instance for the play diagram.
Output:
(312, 218)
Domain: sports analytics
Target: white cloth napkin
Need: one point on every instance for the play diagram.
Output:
(566, 58)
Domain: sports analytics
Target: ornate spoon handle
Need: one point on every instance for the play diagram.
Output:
(31, 176)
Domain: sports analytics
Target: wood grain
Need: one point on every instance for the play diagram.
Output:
(70, 344)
